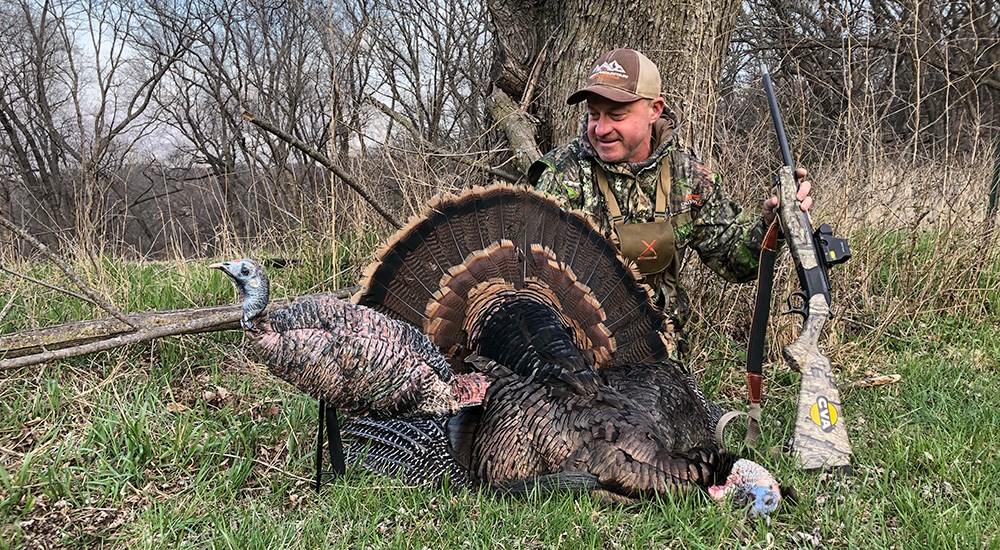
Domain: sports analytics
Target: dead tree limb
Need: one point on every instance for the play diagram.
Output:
(52, 257)
(219, 320)
(30, 347)
(325, 161)
(518, 126)
(535, 76)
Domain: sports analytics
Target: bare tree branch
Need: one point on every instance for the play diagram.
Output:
(6, 307)
(47, 285)
(325, 161)
(436, 150)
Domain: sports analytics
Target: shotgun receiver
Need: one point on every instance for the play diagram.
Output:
(820, 440)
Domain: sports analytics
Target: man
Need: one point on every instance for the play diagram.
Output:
(655, 199)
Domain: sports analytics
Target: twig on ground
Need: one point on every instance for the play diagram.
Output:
(11, 453)
(875, 381)
(268, 466)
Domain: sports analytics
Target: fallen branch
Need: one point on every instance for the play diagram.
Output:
(32, 347)
(325, 161)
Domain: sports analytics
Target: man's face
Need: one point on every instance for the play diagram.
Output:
(622, 132)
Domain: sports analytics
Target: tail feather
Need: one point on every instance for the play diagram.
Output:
(415, 452)
(437, 272)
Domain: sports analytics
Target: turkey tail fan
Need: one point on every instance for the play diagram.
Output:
(415, 452)
(451, 264)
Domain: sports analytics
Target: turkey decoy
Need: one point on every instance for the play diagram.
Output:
(357, 359)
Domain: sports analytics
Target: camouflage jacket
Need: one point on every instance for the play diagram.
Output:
(726, 239)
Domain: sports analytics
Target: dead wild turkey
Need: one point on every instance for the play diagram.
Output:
(584, 392)
(359, 360)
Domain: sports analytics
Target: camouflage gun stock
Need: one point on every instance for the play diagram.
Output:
(820, 441)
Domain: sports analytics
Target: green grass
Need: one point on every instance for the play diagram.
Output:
(187, 442)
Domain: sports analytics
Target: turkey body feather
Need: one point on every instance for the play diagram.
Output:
(551, 411)
(365, 363)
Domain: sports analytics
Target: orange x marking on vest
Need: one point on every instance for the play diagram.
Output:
(649, 248)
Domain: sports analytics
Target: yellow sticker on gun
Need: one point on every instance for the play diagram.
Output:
(824, 414)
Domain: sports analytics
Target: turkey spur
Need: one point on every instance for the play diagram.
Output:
(536, 298)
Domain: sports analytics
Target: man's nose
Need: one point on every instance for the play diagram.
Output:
(602, 126)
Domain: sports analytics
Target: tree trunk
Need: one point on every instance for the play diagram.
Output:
(688, 42)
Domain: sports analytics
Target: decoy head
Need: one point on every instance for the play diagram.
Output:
(251, 282)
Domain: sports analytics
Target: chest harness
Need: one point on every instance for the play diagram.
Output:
(651, 245)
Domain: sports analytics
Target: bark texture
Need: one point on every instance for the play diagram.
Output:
(687, 40)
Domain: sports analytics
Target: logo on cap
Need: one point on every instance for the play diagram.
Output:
(610, 69)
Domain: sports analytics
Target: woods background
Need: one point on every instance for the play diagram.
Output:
(122, 131)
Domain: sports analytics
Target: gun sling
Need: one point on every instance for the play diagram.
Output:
(755, 348)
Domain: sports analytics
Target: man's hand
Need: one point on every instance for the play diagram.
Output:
(771, 204)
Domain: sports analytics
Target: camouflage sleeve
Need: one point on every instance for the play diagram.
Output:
(727, 239)
(553, 175)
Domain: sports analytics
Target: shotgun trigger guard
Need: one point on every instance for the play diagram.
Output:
(798, 303)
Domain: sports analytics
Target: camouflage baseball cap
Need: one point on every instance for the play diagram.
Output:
(621, 75)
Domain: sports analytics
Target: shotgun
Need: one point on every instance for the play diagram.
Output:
(820, 441)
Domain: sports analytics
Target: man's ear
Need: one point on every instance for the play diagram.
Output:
(657, 105)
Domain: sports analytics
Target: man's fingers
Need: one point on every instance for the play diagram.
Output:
(804, 187)
(806, 204)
